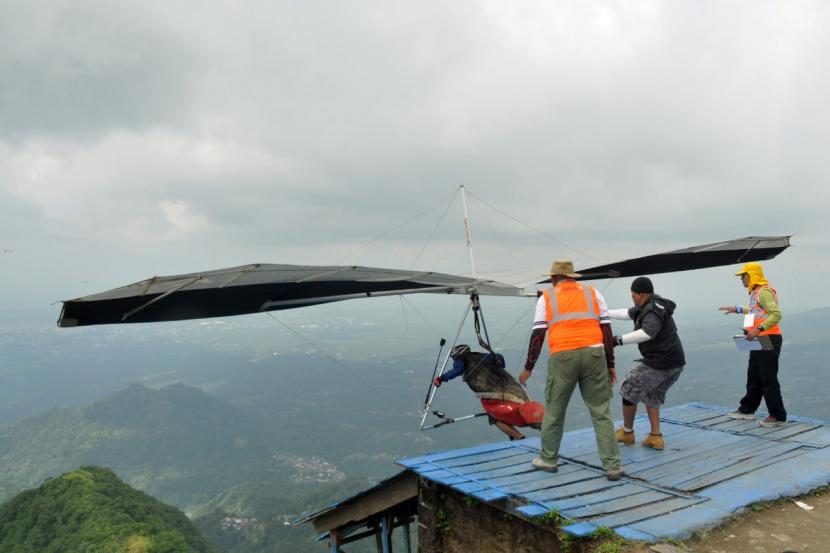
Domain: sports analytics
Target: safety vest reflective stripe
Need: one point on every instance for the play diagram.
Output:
(573, 317)
(554, 316)
(760, 313)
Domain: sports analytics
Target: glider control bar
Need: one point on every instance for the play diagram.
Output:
(283, 304)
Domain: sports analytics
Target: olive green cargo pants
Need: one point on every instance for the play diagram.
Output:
(566, 369)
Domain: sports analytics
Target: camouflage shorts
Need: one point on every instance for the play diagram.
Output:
(645, 385)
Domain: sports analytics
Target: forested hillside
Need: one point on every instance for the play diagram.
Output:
(92, 510)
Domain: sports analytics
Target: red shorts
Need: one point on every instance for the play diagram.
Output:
(517, 414)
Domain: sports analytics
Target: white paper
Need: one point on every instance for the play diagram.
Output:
(804, 505)
(749, 320)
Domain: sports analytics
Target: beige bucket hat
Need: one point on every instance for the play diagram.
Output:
(564, 268)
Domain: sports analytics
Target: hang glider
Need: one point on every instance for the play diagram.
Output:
(258, 288)
(741, 250)
(262, 287)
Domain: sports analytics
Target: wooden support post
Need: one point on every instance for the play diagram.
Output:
(334, 541)
(406, 540)
(386, 532)
(378, 537)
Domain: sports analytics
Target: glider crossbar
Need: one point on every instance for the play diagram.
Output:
(282, 304)
(240, 275)
(327, 273)
(129, 314)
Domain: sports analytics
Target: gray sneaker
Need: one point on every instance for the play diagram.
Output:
(539, 463)
(741, 415)
(771, 422)
(614, 474)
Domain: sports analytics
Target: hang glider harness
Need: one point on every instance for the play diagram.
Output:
(479, 324)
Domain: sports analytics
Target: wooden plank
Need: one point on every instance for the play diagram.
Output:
(702, 415)
(714, 421)
(477, 468)
(819, 437)
(520, 468)
(482, 458)
(582, 488)
(680, 411)
(760, 431)
(733, 446)
(791, 430)
(514, 479)
(679, 523)
(735, 425)
(739, 468)
(671, 475)
(614, 505)
(472, 487)
(454, 454)
(637, 452)
(645, 512)
(725, 445)
(521, 488)
(786, 478)
(606, 493)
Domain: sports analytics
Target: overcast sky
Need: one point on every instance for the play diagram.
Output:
(153, 138)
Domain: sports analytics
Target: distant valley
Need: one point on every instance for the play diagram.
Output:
(244, 440)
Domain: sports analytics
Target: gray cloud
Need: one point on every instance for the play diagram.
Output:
(179, 136)
(78, 69)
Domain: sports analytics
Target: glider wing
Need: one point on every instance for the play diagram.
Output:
(730, 252)
(259, 287)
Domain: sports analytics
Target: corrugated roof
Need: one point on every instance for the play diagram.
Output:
(351, 499)
(711, 467)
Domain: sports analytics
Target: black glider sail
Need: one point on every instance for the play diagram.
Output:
(741, 250)
(260, 287)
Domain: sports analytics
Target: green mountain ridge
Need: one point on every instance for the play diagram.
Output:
(189, 449)
(90, 509)
(177, 443)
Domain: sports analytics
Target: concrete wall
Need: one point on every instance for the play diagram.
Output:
(449, 522)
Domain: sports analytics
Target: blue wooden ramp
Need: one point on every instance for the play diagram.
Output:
(711, 467)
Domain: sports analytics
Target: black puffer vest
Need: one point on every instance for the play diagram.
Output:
(663, 351)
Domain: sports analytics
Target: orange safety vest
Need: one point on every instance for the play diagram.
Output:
(573, 316)
(760, 313)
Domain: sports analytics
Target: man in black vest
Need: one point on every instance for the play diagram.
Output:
(651, 377)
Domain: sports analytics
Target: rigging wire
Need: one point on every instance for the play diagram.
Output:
(389, 231)
(522, 316)
(543, 233)
(409, 303)
(405, 319)
(441, 220)
(339, 363)
(509, 251)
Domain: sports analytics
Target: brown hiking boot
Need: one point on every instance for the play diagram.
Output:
(614, 474)
(654, 441)
(625, 438)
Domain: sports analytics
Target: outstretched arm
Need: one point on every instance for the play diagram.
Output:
(608, 342)
(727, 309)
(534, 348)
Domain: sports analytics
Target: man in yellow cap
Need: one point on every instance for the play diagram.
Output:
(575, 317)
(761, 319)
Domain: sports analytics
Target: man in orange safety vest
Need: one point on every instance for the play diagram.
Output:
(575, 318)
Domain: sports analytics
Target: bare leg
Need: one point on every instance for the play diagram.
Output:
(628, 415)
(654, 418)
(509, 430)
